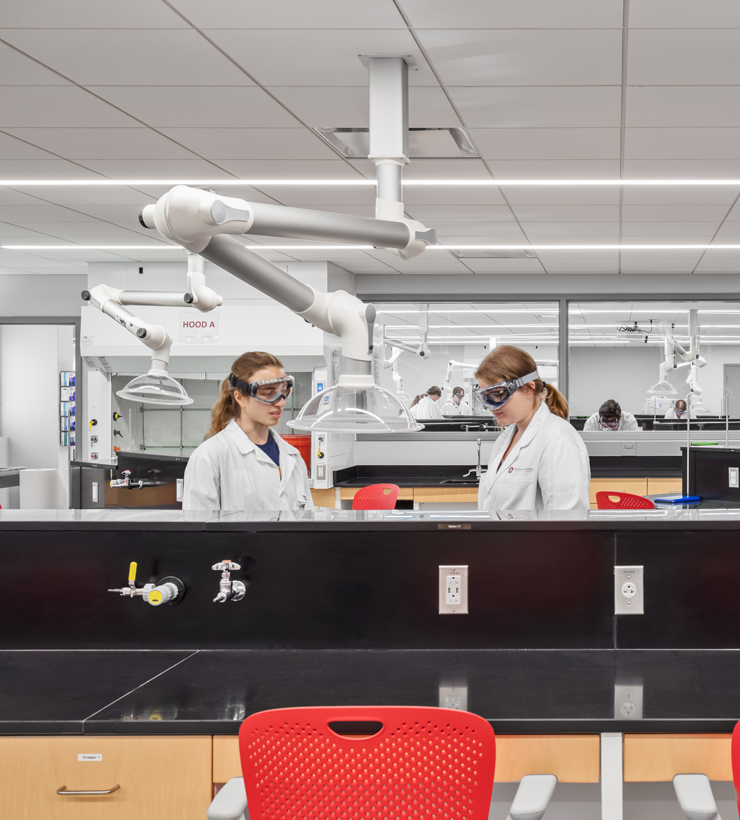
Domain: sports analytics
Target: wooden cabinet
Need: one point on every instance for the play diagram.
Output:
(571, 758)
(664, 485)
(650, 758)
(159, 777)
(324, 498)
(348, 493)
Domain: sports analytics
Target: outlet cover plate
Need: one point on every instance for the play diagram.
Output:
(453, 609)
(453, 697)
(627, 702)
(733, 477)
(629, 591)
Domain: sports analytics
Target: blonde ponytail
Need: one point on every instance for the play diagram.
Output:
(555, 400)
(226, 408)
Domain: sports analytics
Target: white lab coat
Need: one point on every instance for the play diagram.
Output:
(449, 408)
(548, 469)
(229, 472)
(628, 424)
(672, 414)
(426, 409)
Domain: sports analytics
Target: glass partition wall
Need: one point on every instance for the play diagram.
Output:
(627, 351)
(458, 337)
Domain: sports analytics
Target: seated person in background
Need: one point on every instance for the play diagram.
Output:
(425, 405)
(678, 411)
(610, 417)
(454, 406)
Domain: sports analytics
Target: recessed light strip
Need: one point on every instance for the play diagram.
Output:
(359, 182)
(289, 248)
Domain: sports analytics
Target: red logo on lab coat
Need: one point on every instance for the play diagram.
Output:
(511, 469)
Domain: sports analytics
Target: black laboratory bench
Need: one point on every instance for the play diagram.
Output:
(211, 692)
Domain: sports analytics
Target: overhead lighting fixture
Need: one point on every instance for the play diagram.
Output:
(499, 253)
(411, 183)
(424, 143)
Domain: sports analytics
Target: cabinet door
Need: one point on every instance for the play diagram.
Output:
(159, 777)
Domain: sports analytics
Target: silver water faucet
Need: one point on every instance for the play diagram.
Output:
(478, 471)
(228, 590)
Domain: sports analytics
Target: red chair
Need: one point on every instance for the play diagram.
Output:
(368, 762)
(622, 501)
(376, 497)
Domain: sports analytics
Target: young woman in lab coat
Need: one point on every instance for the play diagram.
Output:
(539, 462)
(611, 417)
(243, 464)
(425, 406)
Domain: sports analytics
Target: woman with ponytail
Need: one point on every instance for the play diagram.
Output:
(242, 464)
(539, 462)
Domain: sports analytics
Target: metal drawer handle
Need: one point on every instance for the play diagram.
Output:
(63, 790)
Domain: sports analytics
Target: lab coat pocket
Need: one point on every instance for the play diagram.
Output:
(520, 475)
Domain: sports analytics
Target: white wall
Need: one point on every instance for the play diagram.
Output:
(626, 374)
(28, 294)
(29, 396)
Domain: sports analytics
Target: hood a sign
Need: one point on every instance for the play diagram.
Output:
(198, 328)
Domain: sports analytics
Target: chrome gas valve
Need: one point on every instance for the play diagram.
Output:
(228, 590)
(126, 482)
(169, 590)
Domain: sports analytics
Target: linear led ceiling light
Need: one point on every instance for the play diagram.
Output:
(359, 182)
(407, 255)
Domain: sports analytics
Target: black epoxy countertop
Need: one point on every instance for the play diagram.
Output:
(211, 692)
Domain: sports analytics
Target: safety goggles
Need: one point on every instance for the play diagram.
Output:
(609, 422)
(496, 395)
(267, 391)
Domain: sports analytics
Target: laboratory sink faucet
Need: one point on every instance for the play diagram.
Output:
(228, 590)
(478, 471)
(126, 482)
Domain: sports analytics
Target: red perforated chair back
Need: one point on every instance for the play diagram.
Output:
(622, 501)
(376, 497)
(736, 762)
(422, 763)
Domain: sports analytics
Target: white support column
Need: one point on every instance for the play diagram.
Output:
(612, 776)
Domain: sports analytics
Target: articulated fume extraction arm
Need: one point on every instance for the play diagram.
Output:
(156, 387)
(689, 358)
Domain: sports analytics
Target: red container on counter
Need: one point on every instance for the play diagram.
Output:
(303, 445)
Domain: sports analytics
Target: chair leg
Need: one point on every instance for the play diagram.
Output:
(695, 797)
(230, 803)
(532, 797)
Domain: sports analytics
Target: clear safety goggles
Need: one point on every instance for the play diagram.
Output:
(609, 422)
(680, 413)
(267, 391)
(496, 395)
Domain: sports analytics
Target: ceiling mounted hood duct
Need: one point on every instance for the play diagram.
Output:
(424, 143)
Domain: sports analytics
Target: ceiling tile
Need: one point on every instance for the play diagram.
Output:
(555, 196)
(683, 57)
(539, 107)
(462, 213)
(91, 14)
(683, 106)
(292, 14)
(84, 195)
(29, 214)
(326, 198)
(682, 169)
(12, 148)
(510, 266)
(17, 69)
(7, 229)
(315, 56)
(432, 169)
(679, 195)
(555, 169)
(547, 143)
(43, 169)
(682, 232)
(288, 169)
(464, 233)
(102, 143)
(125, 57)
(669, 213)
(446, 196)
(156, 168)
(567, 213)
(225, 107)
(252, 143)
(529, 57)
(565, 230)
(347, 106)
(89, 232)
(514, 14)
(682, 143)
(684, 14)
(56, 107)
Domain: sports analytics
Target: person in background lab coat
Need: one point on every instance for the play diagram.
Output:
(454, 406)
(678, 411)
(611, 417)
(242, 464)
(539, 462)
(425, 405)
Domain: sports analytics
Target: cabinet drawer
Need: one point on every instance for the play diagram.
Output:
(571, 758)
(159, 777)
(650, 758)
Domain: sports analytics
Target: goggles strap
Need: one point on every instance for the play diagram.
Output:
(522, 380)
(238, 384)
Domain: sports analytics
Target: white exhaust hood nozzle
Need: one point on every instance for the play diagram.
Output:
(155, 387)
(356, 405)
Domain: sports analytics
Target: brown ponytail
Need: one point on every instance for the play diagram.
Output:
(506, 363)
(433, 391)
(226, 408)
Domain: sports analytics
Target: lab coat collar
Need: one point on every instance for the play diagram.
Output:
(543, 411)
(245, 445)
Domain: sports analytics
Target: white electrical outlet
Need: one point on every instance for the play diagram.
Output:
(453, 590)
(453, 697)
(734, 475)
(628, 702)
(629, 593)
